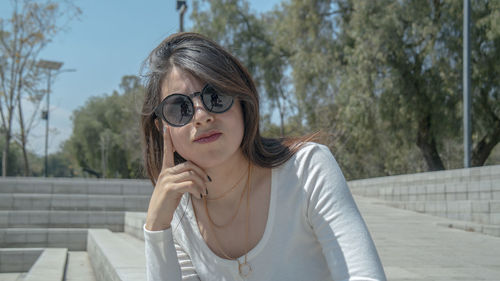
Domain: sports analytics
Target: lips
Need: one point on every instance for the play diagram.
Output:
(208, 137)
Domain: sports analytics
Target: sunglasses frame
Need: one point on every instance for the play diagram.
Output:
(159, 112)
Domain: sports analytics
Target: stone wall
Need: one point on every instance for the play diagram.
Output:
(470, 195)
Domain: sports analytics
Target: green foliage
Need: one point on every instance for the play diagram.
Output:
(381, 79)
(252, 39)
(59, 165)
(106, 134)
(15, 165)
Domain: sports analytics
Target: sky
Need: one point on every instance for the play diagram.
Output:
(109, 40)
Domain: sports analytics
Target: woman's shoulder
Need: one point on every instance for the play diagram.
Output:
(311, 153)
(314, 147)
(310, 159)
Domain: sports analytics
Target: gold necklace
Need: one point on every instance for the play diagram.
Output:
(235, 213)
(244, 268)
(229, 190)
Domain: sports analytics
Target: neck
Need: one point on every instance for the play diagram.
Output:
(224, 177)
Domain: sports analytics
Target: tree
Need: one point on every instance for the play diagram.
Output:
(381, 79)
(485, 61)
(15, 166)
(31, 27)
(408, 56)
(106, 134)
(251, 38)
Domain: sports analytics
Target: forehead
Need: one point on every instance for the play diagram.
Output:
(179, 81)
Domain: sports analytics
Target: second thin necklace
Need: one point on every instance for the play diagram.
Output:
(244, 268)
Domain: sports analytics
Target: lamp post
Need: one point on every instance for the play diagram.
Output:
(182, 6)
(49, 66)
(466, 85)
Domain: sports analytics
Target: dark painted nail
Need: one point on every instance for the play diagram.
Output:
(209, 179)
(201, 196)
(206, 189)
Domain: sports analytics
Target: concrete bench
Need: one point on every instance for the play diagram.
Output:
(116, 257)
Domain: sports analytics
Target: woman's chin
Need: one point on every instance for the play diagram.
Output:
(213, 160)
(207, 163)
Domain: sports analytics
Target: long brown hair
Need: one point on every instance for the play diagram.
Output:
(210, 63)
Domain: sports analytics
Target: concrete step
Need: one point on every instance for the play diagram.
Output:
(73, 239)
(18, 260)
(62, 219)
(133, 224)
(116, 256)
(134, 241)
(79, 267)
(85, 202)
(50, 266)
(75, 186)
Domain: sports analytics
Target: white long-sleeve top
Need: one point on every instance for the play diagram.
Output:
(314, 231)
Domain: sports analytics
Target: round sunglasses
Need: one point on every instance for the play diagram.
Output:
(178, 109)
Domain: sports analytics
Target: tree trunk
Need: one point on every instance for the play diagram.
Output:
(281, 110)
(8, 135)
(483, 149)
(23, 138)
(427, 144)
(5, 155)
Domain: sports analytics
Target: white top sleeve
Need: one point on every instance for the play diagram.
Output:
(165, 259)
(332, 213)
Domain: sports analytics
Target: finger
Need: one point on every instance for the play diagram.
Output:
(189, 186)
(168, 149)
(191, 176)
(187, 166)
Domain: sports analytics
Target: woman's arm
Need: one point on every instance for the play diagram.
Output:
(165, 258)
(332, 213)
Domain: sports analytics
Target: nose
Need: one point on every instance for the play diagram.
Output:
(201, 115)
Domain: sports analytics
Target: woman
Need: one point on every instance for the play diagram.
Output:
(227, 203)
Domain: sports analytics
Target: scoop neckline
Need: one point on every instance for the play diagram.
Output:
(255, 250)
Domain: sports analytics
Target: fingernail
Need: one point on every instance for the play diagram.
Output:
(164, 129)
(201, 196)
(209, 179)
(206, 189)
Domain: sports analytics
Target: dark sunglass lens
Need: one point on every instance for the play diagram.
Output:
(215, 101)
(178, 110)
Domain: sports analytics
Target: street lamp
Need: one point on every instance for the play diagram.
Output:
(466, 85)
(49, 66)
(182, 6)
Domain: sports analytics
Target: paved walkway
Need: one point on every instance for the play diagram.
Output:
(412, 247)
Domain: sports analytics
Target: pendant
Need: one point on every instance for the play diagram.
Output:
(245, 269)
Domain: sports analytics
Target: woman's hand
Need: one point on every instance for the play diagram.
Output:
(172, 183)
